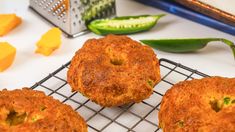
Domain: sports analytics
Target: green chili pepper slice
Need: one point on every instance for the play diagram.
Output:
(124, 25)
(185, 45)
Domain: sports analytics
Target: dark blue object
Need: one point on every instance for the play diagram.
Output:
(177, 9)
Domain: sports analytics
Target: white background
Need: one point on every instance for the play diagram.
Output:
(28, 67)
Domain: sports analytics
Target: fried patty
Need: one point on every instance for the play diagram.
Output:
(29, 110)
(199, 105)
(114, 70)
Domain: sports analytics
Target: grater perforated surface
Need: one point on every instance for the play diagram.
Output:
(73, 15)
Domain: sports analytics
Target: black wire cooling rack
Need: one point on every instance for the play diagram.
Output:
(133, 117)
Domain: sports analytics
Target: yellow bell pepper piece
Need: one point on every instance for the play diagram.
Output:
(8, 22)
(7, 55)
(49, 42)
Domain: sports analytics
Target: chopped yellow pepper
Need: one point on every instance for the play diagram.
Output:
(49, 42)
(8, 22)
(7, 55)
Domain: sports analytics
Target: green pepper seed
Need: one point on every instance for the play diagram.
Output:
(185, 45)
(124, 25)
(227, 100)
(150, 82)
(36, 118)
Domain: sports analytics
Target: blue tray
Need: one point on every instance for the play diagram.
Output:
(177, 9)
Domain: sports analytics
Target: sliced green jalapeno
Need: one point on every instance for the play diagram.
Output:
(185, 45)
(124, 25)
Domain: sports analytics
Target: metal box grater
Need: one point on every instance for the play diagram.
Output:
(71, 16)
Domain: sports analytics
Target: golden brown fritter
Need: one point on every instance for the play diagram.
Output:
(29, 110)
(199, 105)
(114, 70)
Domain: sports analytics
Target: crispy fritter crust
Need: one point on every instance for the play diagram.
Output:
(29, 110)
(199, 106)
(114, 70)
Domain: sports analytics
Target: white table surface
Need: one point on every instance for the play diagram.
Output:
(28, 67)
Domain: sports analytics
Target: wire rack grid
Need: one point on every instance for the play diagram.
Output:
(133, 117)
